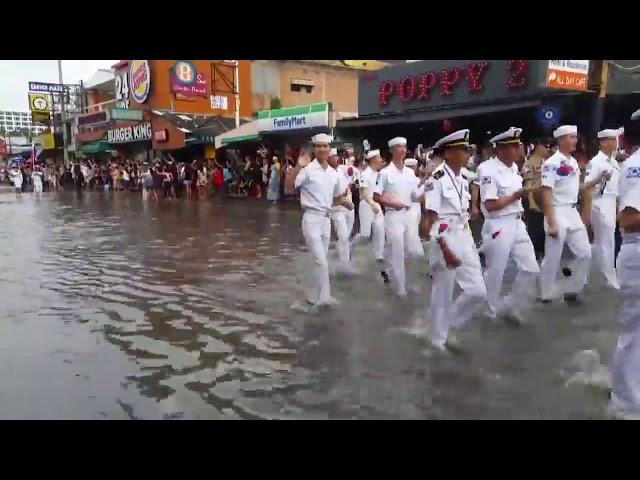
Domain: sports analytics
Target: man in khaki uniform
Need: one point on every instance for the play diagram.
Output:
(532, 176)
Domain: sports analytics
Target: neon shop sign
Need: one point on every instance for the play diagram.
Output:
(421, 87)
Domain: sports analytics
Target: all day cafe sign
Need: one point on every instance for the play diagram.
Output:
(294, 118)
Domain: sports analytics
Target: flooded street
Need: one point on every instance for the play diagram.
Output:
(116, 309)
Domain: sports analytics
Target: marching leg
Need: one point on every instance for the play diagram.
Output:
(578, 242)
(551, 262)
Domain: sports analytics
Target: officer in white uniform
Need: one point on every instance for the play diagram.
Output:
(601, 184)
(625, 368)
(413, 246)
(454, 258)
(341, 217)
(320, 189)
(370, 212)
(504, 234)
(396, 191)
(562, 222)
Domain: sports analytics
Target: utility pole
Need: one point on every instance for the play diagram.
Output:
(63, 115)
(236, 84)
(598, 108)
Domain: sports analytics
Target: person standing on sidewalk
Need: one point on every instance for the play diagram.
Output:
(320, 189)
(625, 395)
(563, 224)
(504, 233)
(600, 189)
(454, 258)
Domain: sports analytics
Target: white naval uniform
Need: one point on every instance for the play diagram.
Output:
(603, 214)
(37, 182)
(413, 246)
(17, 179)
(343, 219)
(371, 226)
(318, 187)
(448, 196)
(562, 174)
(625, 367)
(505, 235)
(400, 184)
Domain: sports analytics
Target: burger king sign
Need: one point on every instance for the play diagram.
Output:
(139, 80)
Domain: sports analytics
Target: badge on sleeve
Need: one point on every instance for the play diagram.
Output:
(428, 186)
(486, 180)
(547, 168)
(633, 172)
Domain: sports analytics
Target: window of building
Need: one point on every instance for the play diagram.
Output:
(301, 85)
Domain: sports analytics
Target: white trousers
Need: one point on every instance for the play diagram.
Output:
(503, 238)
(372, 226)
(603, 223)
(396, 229)
(316, 229)
(444, 312)
(625, 368)
(343, 225)
(572, 231)
(37, 188)
(414, 245)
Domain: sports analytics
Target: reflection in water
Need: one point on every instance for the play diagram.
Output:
(113, 308)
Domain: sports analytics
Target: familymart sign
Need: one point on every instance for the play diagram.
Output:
(293, 118)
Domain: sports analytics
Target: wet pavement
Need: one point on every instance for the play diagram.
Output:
(112, 308)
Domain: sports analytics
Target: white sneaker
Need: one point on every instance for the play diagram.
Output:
(513, 315)
(329, 302)
(452, 344)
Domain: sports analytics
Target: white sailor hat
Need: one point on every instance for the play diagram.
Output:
(565, 130)
(510, 136)
(334, 151)
(459, 138)
(397, 141)
(373, 153)
(410, 162)
(609, 133)
(321, 138)
(635, 115)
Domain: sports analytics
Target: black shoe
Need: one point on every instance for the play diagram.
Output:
(566, 271)
(572, 298)
(543, 300)
(385, 276)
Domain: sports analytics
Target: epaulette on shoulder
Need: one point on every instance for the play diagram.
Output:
(464, 176)
(438, 175)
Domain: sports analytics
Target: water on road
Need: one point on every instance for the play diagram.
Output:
(113, 308)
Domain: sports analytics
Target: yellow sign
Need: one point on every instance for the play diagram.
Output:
(40, 102)
(210, 151)
(47, 141)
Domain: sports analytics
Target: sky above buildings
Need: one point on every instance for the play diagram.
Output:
(15, 76)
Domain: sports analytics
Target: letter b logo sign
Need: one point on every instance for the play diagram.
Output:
(185, 72)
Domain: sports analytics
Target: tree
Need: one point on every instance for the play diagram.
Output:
(275, 103)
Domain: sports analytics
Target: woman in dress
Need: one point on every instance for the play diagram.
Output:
(273, 191)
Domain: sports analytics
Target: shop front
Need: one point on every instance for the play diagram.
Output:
(425, 100)
(132, 141)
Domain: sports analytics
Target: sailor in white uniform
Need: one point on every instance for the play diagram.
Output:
(504, 234)
(454, 258)
(601, 186)
(397, 189)
(320, 189)
(625, 395)
(370, 212)
(562, 222)
(413, 245)
(341, 217)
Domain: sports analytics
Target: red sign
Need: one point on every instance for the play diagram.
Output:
(161, 135)
(444, 82)
(187, 82)
(3, 148)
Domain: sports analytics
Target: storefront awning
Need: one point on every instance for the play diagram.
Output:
(95, 147)
(294, 118)
(432, 115)
(244, 133)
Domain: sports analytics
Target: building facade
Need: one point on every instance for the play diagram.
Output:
(11, 121)
(291, 83)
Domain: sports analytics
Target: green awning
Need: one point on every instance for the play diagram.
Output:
(95, 147)
(247, 132)
(293, 118)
